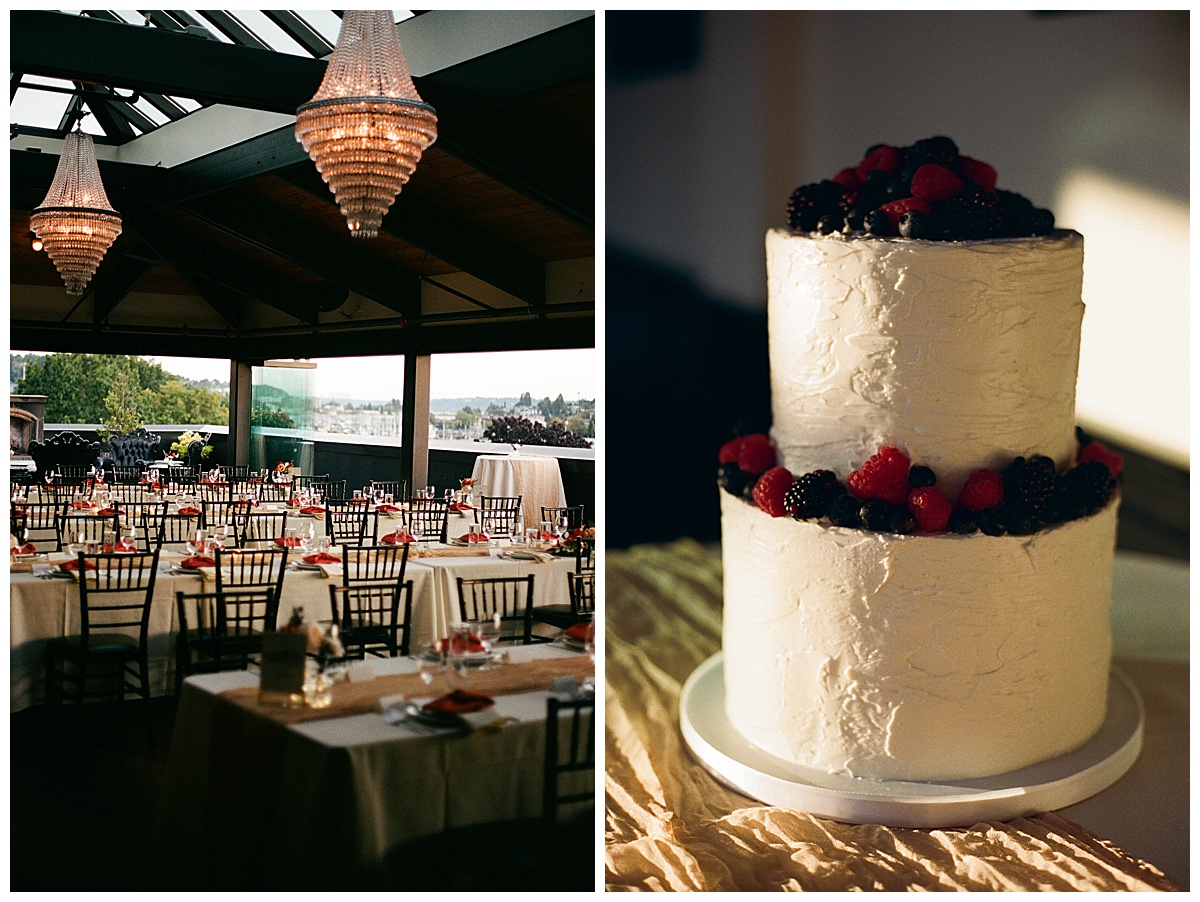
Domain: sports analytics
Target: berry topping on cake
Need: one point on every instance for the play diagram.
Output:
(935, 184)
(876, 514)
(729, 451)
(962, 522)
(770, 490)
(983, 489)
(921, 476)
(1094, 450)
(845, 511)
(756, 454)
(1085, 489)
(943, 196)
(930, 508)
(884, 476)
(812, 494)
(734, 479)
(1028, 485)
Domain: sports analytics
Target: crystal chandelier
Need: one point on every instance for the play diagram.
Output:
(366, 127)
(76, 222)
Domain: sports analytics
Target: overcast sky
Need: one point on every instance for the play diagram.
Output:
(502, 374)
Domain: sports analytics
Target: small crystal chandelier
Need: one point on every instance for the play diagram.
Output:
(76, 223)
(366, 127)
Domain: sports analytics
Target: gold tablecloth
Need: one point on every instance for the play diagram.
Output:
(671, 826)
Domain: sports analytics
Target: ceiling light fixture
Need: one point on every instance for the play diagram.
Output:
(76, 222)
(35, 242)
(366, 127)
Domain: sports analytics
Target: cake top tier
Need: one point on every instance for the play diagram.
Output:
(927, 190)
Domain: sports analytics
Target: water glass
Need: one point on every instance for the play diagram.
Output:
(544, 526)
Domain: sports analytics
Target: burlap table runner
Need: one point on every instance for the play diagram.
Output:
(671, 826)
(362, 698)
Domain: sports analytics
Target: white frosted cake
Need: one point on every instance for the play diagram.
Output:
(955, 626)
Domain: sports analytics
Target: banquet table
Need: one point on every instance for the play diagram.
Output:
(672, 826)
(535, 478)
(251, 802)
(41, 609)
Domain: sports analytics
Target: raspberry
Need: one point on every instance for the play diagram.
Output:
(1096, 451)
(897, 208)
(983, 489)
(884, 476)
(757, 454)
(770, 490)
(978, 172)
(848, 179)
(889, 159)
(930, 508)
(935, 183)
(729, 451)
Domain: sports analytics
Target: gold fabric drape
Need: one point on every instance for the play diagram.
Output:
(671, 826)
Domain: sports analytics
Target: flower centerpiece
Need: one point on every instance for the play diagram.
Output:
(325, 649)
(283, 471)
(179, 447)
(570, 542)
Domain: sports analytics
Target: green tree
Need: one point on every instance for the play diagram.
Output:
(558, 407)
(525, 401)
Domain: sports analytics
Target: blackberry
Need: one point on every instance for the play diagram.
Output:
(1085, 489)
(1042, 222)
(844, 511)
(809, 203)
(812, 494)
(876, 514)
(1018, 521)
(1016, 214)
(920, 476)
(733, 479)
(990, 522)
(962, 522)
(877, 223)
(1029, 484)
(971, 215)
(900, 520)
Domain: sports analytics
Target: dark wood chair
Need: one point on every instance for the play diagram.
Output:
(242, 570)
(221, 513)
(430, 515)
(572, 753)
(397, 488)
(221, 631)
(89, 527)
(373, 619)
(262, 526)
(146, 517)
(497, 515)
(582, 607)
(573, 513)
(273, 492)
(111, 606)
(346, 522)
(173, 529)
(510, 596)
(124, 474)
(41, 523)
(214, 491)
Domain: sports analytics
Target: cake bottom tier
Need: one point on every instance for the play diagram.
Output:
(918, 657)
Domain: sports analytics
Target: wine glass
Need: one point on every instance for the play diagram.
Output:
(128, 538)
(417, 530)
(562, 526)
(195, 541)
(489, 636)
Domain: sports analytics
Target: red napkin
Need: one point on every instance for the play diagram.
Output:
(123, 546)
(27, 548)
(293, 502)
(289, 542)
(73, 566)
(107, 512)
(321, 558)
(455, 506)
(397, 538)
(190, 511)
(387, 508)
(313, 510)
(479, 537)
(460, 701)
(197, 561)
(473, 646)
(582, 632)
(250, 503)
(82, 505)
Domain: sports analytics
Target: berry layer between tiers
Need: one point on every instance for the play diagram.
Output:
(915, 657)
(965, 354)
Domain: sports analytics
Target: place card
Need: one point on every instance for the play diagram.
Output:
(282, 673)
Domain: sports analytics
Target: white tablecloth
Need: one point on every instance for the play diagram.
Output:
(536, 479)
(316, 802)
(41, 609)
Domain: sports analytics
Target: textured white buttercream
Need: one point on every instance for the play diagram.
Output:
(919, 657)
(962, 354)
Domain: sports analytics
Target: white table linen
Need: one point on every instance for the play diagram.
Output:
(536, 479)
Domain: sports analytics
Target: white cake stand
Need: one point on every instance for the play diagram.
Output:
(1031, 790)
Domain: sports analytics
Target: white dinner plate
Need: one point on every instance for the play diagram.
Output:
(1046, 786)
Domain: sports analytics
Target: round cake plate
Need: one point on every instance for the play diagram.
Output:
(1047, 786)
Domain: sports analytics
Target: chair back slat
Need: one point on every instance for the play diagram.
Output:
(240, 570)
(346, 522)
(373, 618)
(115, 591)
(263, 526)
(573, 513)
(374, 564)
(511, 597)
(429, 514)
(582, 589)
(577, 753)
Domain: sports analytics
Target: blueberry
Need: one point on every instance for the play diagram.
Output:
(875, 514)
(990, 522)
(733, 479)
(1018, 520)
(900, 520)
(828, 224)
(877, 223)
(845, 511)
(962, 522)
(915, 224)
(919, 477)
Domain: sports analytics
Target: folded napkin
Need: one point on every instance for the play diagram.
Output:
(321, 558)
(250, 503)
(27, 548)
(195, 562)
(387, 508)
(479, 537)
(190, 511)
(289, 541)
(292, 502)
(460, 701)
(107, 512)
(397, 538)
(582, 632)
(315, 511)
(457, 646)
(82, 505)
(73, 566)
(455, 506)
(124, 547)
